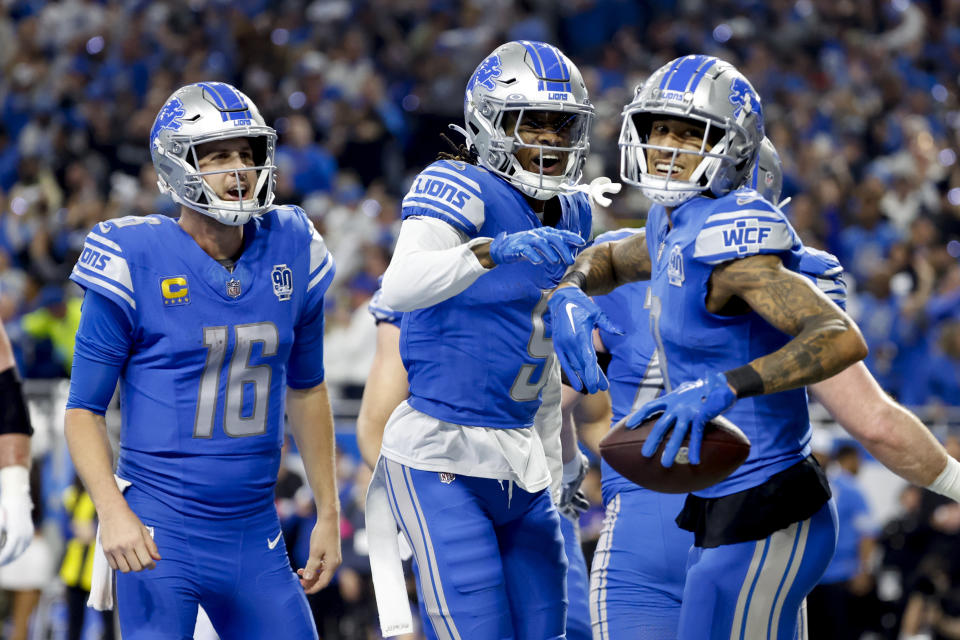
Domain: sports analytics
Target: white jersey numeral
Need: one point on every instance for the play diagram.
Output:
(540, 348)
(242, 377)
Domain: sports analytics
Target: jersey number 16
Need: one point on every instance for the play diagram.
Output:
(241, 376)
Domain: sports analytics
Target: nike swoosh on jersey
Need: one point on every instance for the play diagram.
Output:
(272, 543)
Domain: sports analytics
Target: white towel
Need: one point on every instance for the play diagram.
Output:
(385, 559)
(101, 582)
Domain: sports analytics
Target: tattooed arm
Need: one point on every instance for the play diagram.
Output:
(604, 267)
(825, 339)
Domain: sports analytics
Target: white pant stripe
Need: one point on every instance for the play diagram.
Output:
(802, 632)
(415, 526)
(598, 572)
(758, 607)
(738, 614)
(803, 530)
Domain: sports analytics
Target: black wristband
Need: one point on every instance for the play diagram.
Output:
(575, 278)
(745, 381)
(14, 417)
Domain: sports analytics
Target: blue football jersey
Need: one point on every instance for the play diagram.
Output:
(478, 358)
(693, 342)
(203, 389)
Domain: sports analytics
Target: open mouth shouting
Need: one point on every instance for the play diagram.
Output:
(552, 163)
(238, 192)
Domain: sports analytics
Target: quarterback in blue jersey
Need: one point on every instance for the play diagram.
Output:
(213, 325)
(483, 236)
(737, 331)
(387, 387)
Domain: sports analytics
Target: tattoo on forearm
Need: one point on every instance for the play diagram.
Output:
(611, 264)
(825, 342)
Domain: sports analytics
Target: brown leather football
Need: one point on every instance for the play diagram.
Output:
(724, 448)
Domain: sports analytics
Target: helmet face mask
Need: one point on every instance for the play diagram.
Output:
(208, 112)
(711, 93)
(509, 116)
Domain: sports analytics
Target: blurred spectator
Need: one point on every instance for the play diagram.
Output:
(307, 164)
(943, 368)
(55, 321)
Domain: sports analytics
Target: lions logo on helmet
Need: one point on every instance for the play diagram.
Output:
(515, 82)
(205, 112)
(744, 99)
(712, 93)
(168, 118)
(485, 74)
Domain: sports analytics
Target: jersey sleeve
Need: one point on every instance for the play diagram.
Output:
(449, 191)
(826, 272)
(613, 236)
(305, 366)
(103, 267)
(755, 227)
(322, 266)
(381, 312)
(103, 343)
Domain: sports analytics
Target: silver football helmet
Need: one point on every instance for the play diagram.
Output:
(203, 112)
(767, 177)
(507, 93)
(710, 92)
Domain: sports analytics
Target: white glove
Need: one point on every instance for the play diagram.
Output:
(598, 190)
(16, 522)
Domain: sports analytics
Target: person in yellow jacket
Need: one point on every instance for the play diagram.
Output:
(56, 319)
(77, 568)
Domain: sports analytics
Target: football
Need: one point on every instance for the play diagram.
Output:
(724, 448)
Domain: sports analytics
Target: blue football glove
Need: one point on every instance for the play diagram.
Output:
(689, 407)
(544, 244)
(573, 315)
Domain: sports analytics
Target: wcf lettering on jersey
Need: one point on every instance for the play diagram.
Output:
(441, 190)
(740, 234)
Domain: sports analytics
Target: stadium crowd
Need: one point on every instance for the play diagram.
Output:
(860, 98)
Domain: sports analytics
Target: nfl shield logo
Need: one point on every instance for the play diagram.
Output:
(233, 288)
(447, 478)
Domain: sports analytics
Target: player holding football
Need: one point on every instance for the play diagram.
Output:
(636, 590)
(213, 323)
(16, 523)
(731, 318)
(482, 237)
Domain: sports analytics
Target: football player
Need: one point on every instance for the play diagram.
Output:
(16, 507)
(483, 236)
(636, 590)
(213, 324)
(387, 387)
(737, 331)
